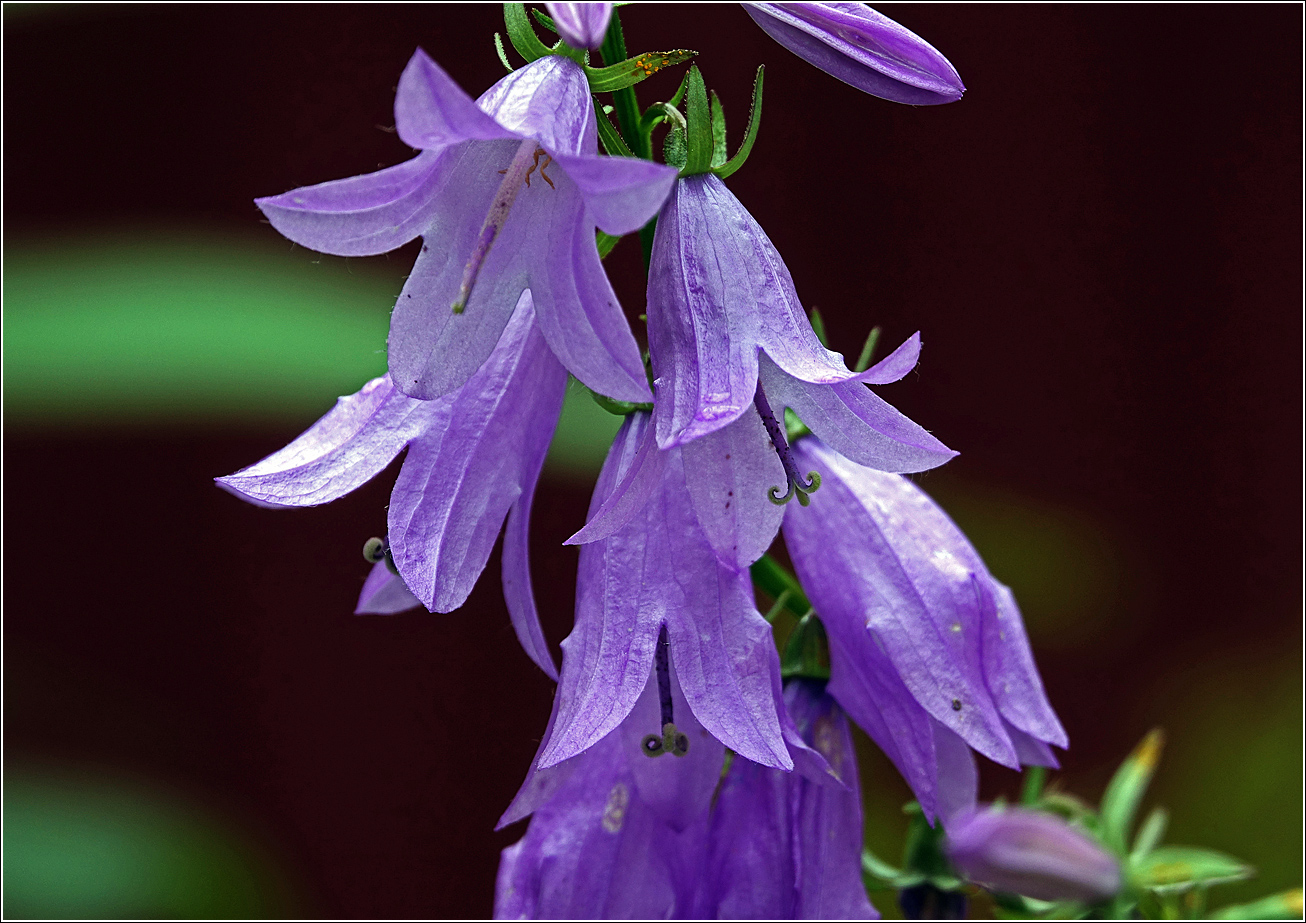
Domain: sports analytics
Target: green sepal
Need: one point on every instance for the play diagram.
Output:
(631, 71)
(807, 653)
(718, 131)
(1283, 906)
(878, 875)
(613, 143)
(868, 350)
(544, 19)
(620, 408)
(698, 131)
(754, 120)
(794, 427)
(661, 112)
(1169, 869)
(499, 50)
(520, 33)
(1149, 834)
(673, 149)
(1126, 788)
(923, 853)
(605, 242)
(1031, 789)
(774, 581)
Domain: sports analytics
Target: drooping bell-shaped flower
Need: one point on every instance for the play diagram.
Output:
(1039, 855)
(617, 831)
(474, 457)
(722, 311)
(785, 846)
(581, 25)
(679, 566)
(927, 651)
(862, 48)
(506, 193)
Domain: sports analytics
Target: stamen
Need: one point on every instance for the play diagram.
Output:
(671, 740)
(517, 172)
(798, 486)
(376, 550)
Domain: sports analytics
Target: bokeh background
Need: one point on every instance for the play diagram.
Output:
(1101, 245)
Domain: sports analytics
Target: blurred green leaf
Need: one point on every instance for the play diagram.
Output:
(80, 846)
(1177, 868)
(1126, 790)
(200, 329)
(1284, 906)
(1150, 833)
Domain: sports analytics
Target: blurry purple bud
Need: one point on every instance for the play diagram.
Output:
(581, 25)
(863, 49)
(1027, 852)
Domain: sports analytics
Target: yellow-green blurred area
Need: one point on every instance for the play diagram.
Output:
(85, 843)
(202, 331)
(212, 334)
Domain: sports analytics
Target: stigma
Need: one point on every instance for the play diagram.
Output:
(518, 173)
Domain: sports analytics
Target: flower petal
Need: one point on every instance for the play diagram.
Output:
(1012, 675)
(639, 473)
(516, 574)
(593, 851)
(718, 291)
(607, 658)
(432, 350)
(856, 422)
(862, 48)
(548, 100)
(581, 25)
(577, 309)
(384, 593)
(340, 452)
(897, 364)
(459, 480)
(677, 789)
(432, 112)
(361, 215)
(958, 777)
(874, 551)
(728, 473)
(660, 569)
(700, 323)
(782, 846)
(621, 193)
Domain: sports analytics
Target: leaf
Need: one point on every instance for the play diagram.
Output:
(698, 134)
(520, 33)
(718, 131)
(750, 136)
(631, 71)
(1126, 789)
(1284, 906)
(1149, 834)
(1177, 868)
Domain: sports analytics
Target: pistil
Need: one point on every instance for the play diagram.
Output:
(799, 486)
(671, 740)
(523, 163)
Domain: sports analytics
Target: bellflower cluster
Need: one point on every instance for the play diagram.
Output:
(685, 770)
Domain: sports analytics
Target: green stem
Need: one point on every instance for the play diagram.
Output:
(625, 107)
(777, 582)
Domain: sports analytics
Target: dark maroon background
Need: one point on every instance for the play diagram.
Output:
(1101, 244)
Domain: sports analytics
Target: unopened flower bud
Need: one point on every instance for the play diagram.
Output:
(1026, 852)
(581, 25)
(863, 49)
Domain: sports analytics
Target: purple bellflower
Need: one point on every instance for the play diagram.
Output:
(723, 314)
(785, 846)
(927, 651)
(862, 48)
(488, 231)
(581, 25)
(659, 575)
(1039, 855)
(474, 457)
(618, 831)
